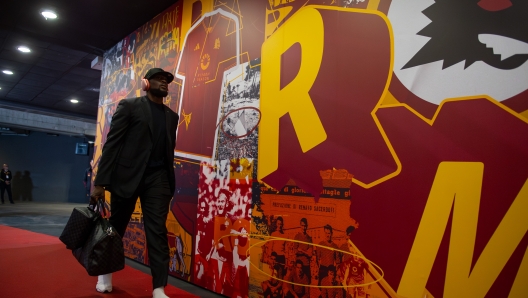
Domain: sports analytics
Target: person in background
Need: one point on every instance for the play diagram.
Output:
(272, 288)
(328, 283)
(87, 181)
(26, 185)
(5, 183)
(298, 282)
(17, 186)
(303, 251)
(326, 257)
(137, 161)
(279, 246)
(353, 268)
(221, 260)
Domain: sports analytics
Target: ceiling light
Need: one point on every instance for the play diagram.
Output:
(8, 72)
(48, 14)
(24, 49)
(74, 100)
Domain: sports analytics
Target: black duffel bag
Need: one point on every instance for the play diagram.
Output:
(79, 227)
(103, 252)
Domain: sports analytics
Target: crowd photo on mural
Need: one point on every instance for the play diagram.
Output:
(338, 148)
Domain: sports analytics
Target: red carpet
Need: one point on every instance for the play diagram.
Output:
(38, 265)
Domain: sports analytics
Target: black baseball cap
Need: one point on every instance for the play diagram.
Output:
(154, 71)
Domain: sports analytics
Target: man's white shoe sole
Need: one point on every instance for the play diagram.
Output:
(103, 289)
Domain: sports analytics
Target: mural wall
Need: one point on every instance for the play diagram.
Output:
(363, 148)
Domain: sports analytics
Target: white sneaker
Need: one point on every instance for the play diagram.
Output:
(104, 283)
(159, 293)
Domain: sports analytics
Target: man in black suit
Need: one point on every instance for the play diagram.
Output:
(137, 161)
(5, 183)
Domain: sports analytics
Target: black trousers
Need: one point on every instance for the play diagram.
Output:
(155, 195)
(4, 187)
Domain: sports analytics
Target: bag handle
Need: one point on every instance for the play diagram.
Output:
(100, 205)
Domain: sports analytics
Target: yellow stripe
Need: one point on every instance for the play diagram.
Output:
(373, 4)
(524, 114)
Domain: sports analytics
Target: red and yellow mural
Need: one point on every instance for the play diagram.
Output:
(363, 148)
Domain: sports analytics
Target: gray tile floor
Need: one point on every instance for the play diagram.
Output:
(50, 219)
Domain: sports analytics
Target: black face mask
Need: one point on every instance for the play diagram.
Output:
(158, 92)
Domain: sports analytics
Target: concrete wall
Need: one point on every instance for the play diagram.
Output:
(55, 170)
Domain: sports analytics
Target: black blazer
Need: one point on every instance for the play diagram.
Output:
(128, 146)
(4, 175)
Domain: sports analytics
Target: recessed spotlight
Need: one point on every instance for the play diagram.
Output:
(24, 49)
(74, 100)
(48, 14)
(8, 72)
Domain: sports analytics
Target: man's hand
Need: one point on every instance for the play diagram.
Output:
(98, 192)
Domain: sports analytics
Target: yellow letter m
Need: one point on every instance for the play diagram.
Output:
(457, 187)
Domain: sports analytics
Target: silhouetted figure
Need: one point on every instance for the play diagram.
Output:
(87, 181)
(26, 187)
(16, 187)
(5, 183)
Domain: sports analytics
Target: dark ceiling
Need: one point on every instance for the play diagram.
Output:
(58, 68)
